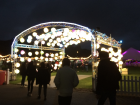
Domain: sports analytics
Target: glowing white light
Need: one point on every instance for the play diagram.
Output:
(41, 57)
(55, 58)
(42, 36)
(61, 45)
(66, 30)
(29, 59)
(17, 65)
(53, 44)
(30, 37)
(64, 34)
(115, 54)
(36, 58)
(48, 44)
(22, 59)
(46, 30)
(102, 49)
(37, 36)
(17, 71)
(36, 52)
(60, 63)
(54, 41)
(46, 37)
(83, 40)
(58, 44)
(47, 54)
(60, 53)
(53, 36)
(16, 50)
(61, 56)
(36, 42)
(59, 33)
(50, 40)
(110, 49)
(52, 55)
(51, 59)
(43, 42)
(30, 53)
(120, 62)
(110, 55)
(77, 32)
(53, 29)
(41, 52)
(34, 34)
(22, 40)
(58, 39)
(56, 54)
(29, 40)
(22, 52)
(46, 59)
(66, 46)
(98, 46)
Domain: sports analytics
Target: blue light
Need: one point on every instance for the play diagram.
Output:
(120, 41)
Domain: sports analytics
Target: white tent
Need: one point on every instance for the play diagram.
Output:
(131, 53)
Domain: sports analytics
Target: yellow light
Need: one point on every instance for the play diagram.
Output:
(55, 58)
(41, 57)
(16, 50)
(48, 44)
(60, 53)
(102, 49)
(22, 59)
(61, 56)
(16, 56)
(36, 58)
(56, 54)
(17, 65)
(46, 30)
(36, 52)
(120, 62)
(50, 40)
(22, 40)
(41, 52)
(98, 45)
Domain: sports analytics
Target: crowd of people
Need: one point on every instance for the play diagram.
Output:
(66, 79)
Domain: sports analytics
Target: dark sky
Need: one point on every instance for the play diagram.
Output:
(120, 18)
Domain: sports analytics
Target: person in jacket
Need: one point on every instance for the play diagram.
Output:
(43, 78)
(23, 72)
(66, 79)
(108, 77)
(31, 73)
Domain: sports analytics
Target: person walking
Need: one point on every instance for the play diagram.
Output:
(43, 78)
(65, 80)
(108, 77)
(23, 72)
(31, 73)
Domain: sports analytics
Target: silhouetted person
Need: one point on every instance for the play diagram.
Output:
(23, 72)
(66, 79)
(75, 65)
(108, 77)
(31, 73)
(43, 78)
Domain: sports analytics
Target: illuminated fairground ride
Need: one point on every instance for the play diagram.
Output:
(35, 42)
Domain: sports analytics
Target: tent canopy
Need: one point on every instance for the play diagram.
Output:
(131, 53)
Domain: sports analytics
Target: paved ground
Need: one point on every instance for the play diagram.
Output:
(15, 95)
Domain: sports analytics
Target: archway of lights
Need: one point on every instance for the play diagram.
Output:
(35, 42)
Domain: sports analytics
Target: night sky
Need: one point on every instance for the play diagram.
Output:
(120, 18)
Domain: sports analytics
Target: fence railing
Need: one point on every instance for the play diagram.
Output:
(129, 85)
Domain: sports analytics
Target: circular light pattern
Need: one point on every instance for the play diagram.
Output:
(50, 40)
(36, 58)
(52, 55)
(17, 65)
(37, 36)
(41, 52)
(22, 52)
(48, 44)
(22, 40)
(43, 42)
(56, 54)
(36, 42)
(61, 45)
(29, 40)
(66, 30)
(42, 36)
(36, 53)
(53, 29)
(60, 53)
(22, 59)
(29, 59)
(30, 53)
(53, 36)
(46, 59)
(34, 34)
(47, 54)
(30, 37)
(17, 71)
(41, 57)
(16, 50)
(46, 30)
(55, 58)
(53, 44)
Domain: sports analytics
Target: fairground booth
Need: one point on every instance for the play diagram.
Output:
(47, 42)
